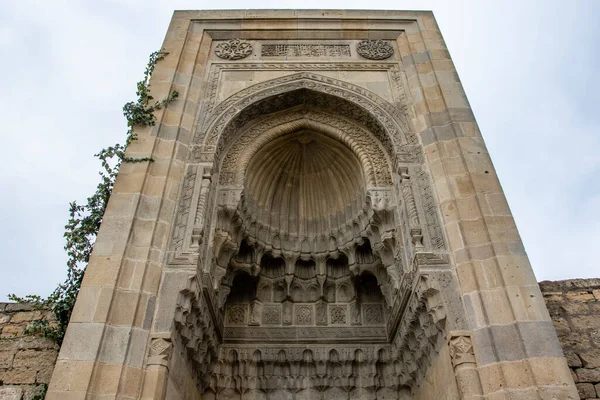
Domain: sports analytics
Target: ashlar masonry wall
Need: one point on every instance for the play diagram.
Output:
(26, 361)
(574, 306)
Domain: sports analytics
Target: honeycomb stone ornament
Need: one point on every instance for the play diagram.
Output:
(234, 49)
(375, 49)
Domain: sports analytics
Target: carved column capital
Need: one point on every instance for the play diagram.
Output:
(461, 348)
(160, 351)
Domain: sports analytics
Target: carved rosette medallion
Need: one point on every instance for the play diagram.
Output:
(375, 49)
(234, 49)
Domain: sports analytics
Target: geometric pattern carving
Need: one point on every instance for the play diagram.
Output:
(236, 315)
(304, 315)
(375, 49)
(235, 49)
(338, 315)
(373, 314)
(461, 349)
(272, 316)
(305, 50)
(160, 351)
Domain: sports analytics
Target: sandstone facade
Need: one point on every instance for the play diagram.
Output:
(26, 362)
(321, 220)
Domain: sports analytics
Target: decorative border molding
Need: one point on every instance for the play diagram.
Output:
(307, 334)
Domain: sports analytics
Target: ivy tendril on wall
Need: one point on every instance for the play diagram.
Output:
(84, 220)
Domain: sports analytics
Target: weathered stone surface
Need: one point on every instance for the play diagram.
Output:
(11, 393)
(588, 375)
(591, 358)
(586, 391)
(26, 361)
(573, 306)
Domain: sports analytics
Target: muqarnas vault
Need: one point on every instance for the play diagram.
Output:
(321, 220)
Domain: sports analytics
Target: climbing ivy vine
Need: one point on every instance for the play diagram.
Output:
(85, 219)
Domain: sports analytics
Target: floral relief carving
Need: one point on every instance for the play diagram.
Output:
(234, 49)
(375, 49)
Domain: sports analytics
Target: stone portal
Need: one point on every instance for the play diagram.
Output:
(321, 221)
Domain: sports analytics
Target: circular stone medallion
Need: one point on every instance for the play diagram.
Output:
(375, 49)
(234, 49)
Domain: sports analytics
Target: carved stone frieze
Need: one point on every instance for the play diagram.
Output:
(234, 49)
(335, 370)
(305, 50)
(309, 334)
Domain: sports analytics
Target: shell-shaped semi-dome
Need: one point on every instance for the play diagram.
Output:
(304, 184)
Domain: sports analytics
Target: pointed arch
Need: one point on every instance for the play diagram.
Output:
(378, 115)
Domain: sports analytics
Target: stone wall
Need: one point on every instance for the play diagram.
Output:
(574, 306)
(26, 362)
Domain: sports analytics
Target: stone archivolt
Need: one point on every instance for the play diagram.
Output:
(314, 235)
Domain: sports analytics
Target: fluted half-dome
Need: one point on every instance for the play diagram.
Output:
(304, 184)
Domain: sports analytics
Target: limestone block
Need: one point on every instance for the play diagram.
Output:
(18, 376)
(34, 358)
(6, 359)
(586, 391)
(588, 375)
(11, 393)
(580, 296)
(12, 331)
(590, 358)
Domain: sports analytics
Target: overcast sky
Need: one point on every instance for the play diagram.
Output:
(530, 70)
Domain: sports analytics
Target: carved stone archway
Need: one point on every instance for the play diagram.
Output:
(352, 281)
